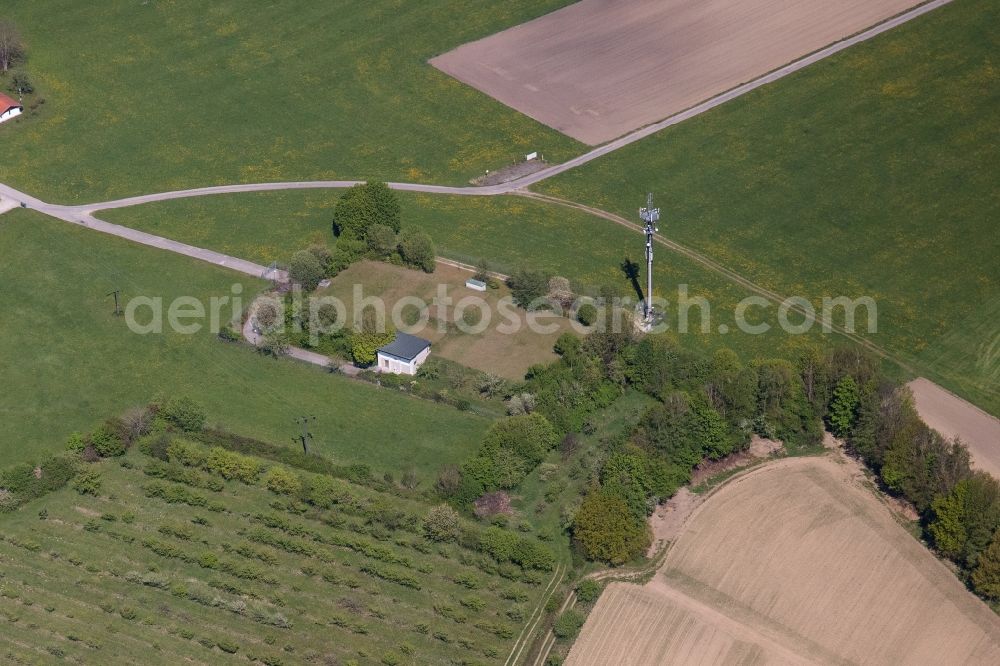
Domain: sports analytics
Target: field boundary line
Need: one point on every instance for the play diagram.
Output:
(529, 629)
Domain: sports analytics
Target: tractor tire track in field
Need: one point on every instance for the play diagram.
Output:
(539, 610)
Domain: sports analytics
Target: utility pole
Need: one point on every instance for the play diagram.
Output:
(650, 216)
(306, 436)
(115, 293)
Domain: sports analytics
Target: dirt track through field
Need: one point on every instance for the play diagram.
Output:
(792, 562)
(597, 69)
(953, 417)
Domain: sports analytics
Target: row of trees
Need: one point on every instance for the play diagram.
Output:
(708, 407)
(959, 508)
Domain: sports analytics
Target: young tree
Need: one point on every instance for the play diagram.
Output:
(323, 256)
(947, 526)
(381, 240)
(986, 576)
(844, 407)
(384, 203)
(362, 206)
(417, 249)
(20, 83)
(365, 345)
(306, 270)
(527, 286)
(11, 45)
(275, 343)
(530, 436)
(608, 531)
(441, 523)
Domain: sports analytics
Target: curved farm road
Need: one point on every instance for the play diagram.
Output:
(79, 211)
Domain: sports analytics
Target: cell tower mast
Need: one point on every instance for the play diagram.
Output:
(651, 216)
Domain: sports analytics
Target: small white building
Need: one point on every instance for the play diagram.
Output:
(404, 355)
(477, 285)
(9, 108)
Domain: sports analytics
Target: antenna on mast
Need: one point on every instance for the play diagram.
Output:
(651, 216)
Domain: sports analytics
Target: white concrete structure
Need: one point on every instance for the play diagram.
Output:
(9, 108)
(477, 285)
(404, 355)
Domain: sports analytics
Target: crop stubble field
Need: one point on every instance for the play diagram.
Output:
(793, 562)
(596, 70)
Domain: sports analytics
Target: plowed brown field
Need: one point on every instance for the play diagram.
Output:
(793, 562)
(598, 69)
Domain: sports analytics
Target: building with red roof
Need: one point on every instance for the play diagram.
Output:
(9, 107)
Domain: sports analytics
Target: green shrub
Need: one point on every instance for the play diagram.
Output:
(231, 465)
(186, 453)
(306, 270)
(155, 446)
(568, 624)
(506, 546)
(417, 249)
(227, 646)
(76, 442)
(588, 590)
(473, 603)
(174, 494)
(441, 523)
(107, 440)
(87, 482)
(586, 314)
(283, 481)
(184, 413)
(177, 530)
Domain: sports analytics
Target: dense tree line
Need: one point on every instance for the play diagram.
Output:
(959, 508)
(708, 407)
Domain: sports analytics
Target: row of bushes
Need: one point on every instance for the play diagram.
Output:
(24, 482)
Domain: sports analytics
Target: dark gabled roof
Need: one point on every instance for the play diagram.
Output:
(406, 347)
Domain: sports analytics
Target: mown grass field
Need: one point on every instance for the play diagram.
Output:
(150, 96)
(508, 232)
(244, 575)
(68, 362)
(870, 173)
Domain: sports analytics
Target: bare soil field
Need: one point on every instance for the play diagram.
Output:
(953, 417)
(598, 69)
(792, 562)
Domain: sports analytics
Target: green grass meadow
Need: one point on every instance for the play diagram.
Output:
(69, 363)
(509, 232)
(150, 96)
(247, 577)
(871, 173)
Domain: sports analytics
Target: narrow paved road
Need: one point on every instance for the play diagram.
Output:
(83, 215)
(77, 212)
